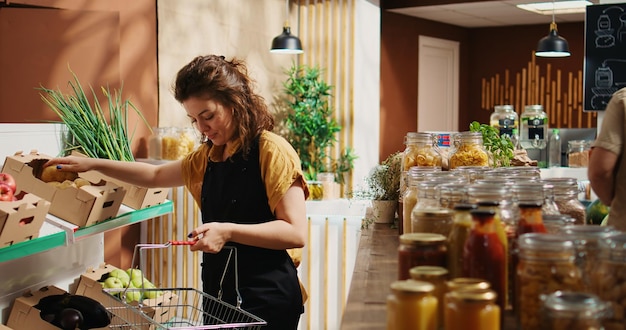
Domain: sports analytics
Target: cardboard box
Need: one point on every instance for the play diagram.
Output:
(21, 220)
(139, 197)
(136, 197)
(24, 315)
(82, 206)
(164, 306)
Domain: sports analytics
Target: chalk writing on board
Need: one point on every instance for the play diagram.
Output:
(605, 54)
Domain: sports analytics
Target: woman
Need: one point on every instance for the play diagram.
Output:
(248, 183)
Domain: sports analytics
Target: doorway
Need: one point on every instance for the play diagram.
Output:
(438, 85)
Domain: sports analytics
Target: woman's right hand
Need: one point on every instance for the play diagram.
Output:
(72, 163)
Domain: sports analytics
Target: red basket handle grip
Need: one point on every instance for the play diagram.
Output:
(182, 242)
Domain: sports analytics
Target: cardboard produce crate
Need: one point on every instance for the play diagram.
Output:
(82, 206)
(89, 285)
(21, 220)
(136, 197)
(25, 316)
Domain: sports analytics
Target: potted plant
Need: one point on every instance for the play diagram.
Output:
(382, 186)
(309, 126)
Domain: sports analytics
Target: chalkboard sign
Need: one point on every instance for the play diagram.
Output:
(605, 54)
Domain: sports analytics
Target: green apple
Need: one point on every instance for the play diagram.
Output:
(153, 293)
(134, 273)
(122, 275)
(141, 282)
(113, 283)
(133, 295)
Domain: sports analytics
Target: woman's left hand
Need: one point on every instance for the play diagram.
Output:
(211, 237)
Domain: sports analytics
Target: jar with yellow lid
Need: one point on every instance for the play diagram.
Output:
(470, 283)
(468, 151)
(411, 306)
(608, 281)
(436, 276)
(420, 249)
(566, 310)
(546, 263)
(472, 309)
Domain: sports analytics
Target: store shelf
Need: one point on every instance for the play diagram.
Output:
(67, 233)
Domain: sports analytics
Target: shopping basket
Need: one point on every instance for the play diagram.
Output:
(177, 308)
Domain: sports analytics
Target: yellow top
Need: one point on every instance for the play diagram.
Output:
(279, 162)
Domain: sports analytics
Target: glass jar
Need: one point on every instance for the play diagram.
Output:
(609, 278)
(534, 127)
(431, 220)
(471, 173)
(421, 150)
(169, 143)
(437, 276)
(573, 311)
(556, 223)
(468, 151)
(566, 198)
(504, 119)
(411, 306)
(536, 192)
(484, 255)
(530, 218)
(154, 143)
(461, 227)
(468, 283)
(415, 175)
(328, 185)
(472, 310)
(316, 190)
(578, 153)
(587, 242)
(546, 264)
(450, 194)
(420, 249)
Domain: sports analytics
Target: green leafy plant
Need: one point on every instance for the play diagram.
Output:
(383, 180)
(500, 147)
(89, 132)
(310, 126)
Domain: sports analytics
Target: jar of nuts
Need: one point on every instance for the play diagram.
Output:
(566, 310)
(546, 264)
(468, 151)
(578, 153)
(609, 279)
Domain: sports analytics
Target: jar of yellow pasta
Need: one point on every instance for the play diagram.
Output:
(468, 151)
(177, 142)
(412, 306)
(421, 150)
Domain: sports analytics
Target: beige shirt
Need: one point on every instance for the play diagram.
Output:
(280, 167)
(612, 137)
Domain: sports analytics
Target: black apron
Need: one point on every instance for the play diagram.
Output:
(233, 191)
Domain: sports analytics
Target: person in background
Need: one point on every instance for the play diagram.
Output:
(248, 183)
(607, 167)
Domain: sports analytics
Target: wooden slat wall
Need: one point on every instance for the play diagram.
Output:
(560, 93)
(326, 29)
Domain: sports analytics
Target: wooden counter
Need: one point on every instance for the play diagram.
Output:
(375, 269)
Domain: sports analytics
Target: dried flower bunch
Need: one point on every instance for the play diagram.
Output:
(383, 181)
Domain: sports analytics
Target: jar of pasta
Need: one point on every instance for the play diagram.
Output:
(468, 150)
(609, 278)
(546, 264)
(566, 310)
(436, 276)
(472, 309)
(420, 249)
(421, 150)
(411, 306)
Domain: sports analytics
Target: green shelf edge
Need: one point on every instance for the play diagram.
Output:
(49, 242)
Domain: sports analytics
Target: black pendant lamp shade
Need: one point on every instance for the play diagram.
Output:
(552, 45)
(286, 43)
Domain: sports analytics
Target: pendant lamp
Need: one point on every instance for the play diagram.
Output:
(552, 45)
(286, 43)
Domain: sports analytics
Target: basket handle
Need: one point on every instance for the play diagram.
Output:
(232, 252)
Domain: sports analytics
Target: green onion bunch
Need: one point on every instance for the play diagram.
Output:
(88, 130)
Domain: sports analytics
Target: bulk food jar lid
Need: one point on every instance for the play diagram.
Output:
(567, 304)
